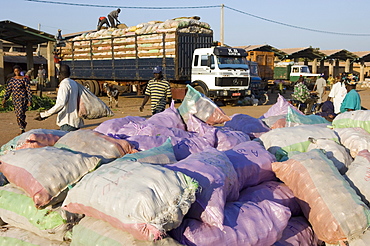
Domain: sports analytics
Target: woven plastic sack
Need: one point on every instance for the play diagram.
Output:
(10, 235)
(202, 129)
(34, 138)
(216, 177)
(298, 232)
(228, 138)
(280, 108)
(247, 124)
(45, 172)
(90, 106)
(331, 206)
(249, 224)
(283, 140)
(142, 199)
(357, 118)
(170, 117)
(17, 209)
(157, 155)
(358, 175)
(95, 144)
(112, 126)
(354, 139)
(182, 147)
(252, 163)
(363, 240)
(293, 118)
(92, 232)
(272, 191)
(202, 107)
(274, 122)
(9, 146)
(335, 152)
(37, 138)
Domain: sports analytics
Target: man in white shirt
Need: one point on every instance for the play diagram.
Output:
(320, 87)
(66, 105)
(337, 92)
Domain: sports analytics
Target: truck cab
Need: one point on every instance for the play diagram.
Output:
(221, 73)
(300, 70)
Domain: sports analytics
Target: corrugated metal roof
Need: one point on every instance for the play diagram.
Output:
(23, 35)
(23, 59)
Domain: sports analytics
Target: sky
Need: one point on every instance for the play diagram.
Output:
(246, 22)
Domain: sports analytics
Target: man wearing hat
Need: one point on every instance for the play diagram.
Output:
(159, 92)
(352, 100)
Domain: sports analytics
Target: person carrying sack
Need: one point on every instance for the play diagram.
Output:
(67, 103)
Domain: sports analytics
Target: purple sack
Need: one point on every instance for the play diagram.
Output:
(247, 224)
(228, 138)
(170, 117)
(280, 108)
(112, 127)
(298, 232)
(182, 147)
(272, 191)
(247, 124)
(216, 177)
(252, 163)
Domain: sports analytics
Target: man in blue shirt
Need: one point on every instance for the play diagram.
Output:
(352, 100)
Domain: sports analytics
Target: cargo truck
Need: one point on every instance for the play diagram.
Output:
(186, 58)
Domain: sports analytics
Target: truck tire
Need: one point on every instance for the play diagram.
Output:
(89, 85)
(201, 87)
(97, 88)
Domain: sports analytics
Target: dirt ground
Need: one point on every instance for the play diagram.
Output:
(129, 105)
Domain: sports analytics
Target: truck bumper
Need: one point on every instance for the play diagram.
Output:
(228, 94)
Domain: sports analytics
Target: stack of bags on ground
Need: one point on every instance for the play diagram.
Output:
(180, 177)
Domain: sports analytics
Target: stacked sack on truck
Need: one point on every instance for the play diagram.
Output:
(173, 179)
(149, 39)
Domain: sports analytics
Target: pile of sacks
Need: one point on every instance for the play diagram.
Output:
(182, 24)
(191, 176)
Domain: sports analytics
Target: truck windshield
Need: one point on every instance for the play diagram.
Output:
(305, 70)
(232, 62)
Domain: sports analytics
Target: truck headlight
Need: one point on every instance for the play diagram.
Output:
(224, 93)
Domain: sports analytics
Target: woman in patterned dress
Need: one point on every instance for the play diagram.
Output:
(19, 88)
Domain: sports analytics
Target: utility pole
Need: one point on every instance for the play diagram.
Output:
(38, 45)
(222, 25)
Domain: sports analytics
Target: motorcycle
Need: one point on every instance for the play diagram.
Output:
(261, 95)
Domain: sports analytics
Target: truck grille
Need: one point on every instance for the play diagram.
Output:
(232, 82)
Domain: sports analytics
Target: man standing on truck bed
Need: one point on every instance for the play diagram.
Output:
(112, 16)
(159, 92)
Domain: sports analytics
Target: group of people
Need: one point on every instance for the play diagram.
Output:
(342, 96)
(112, 17)
(66, 106)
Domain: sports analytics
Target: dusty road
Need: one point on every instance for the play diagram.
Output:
(129, 105)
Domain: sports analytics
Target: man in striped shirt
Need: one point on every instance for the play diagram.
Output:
(159, 92)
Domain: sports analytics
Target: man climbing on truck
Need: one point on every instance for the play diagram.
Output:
(159, 92)
(102, 20)
(113, 17)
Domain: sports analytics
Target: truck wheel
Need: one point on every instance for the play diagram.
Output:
(201, 87)
(97, 88)
(89, 85)
(263, 99)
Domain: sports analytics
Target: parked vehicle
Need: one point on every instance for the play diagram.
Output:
(290, 73)
(186, 58)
